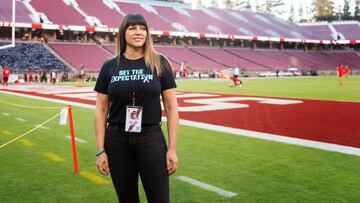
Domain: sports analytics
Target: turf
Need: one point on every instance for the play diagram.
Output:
(323, 88)
(257, 170)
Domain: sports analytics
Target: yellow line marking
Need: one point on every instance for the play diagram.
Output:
(6, 132)
(13, 140)
(53, 157)
(26, 142)
(94, 178)
(32, 107)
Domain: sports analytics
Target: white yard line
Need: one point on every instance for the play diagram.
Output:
(234, 131)
(76, 139)
(20, 119)
(51, 100)
(80, 95)
(6, 114)
(206, 186)
(272, 137)
(43, 127)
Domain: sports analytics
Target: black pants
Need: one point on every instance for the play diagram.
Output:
(131, 154)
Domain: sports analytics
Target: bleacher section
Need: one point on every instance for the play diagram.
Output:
(171, 17)
(319, 31)
(22, 14)
(350, 31)
(350, 58)
(154, 21)
(212, 22)
(90, 56)
(319, 60)
(287, 28)
(181, 20)
(235, 18)
(194, 60)
(107, 16)
(263, 62)
(201, 59)
(225, 58)
(287, 60)
(58, 12)
(178, 54)
(34, 57)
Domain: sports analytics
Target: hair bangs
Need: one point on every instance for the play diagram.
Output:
(136, 19)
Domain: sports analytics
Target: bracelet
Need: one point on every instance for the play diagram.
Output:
(99, 153)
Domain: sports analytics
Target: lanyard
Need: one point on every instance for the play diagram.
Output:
(132, 85)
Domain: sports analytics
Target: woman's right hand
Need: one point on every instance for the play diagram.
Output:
(102, 164)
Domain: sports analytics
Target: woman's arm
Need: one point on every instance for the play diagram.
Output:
(171, 109)
(101, 112)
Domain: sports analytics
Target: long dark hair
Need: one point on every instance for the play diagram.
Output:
(151, 57)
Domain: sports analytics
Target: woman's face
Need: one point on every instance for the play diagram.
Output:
(135, 36)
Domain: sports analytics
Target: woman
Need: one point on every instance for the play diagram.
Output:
(133, 81)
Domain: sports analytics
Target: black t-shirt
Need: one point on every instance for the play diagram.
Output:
(119, 82)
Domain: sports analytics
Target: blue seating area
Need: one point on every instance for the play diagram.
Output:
(34, 57)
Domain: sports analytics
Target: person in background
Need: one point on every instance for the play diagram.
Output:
(340, 72)
(30, 77)
(6, 75)
(347, 71)
(82, 73)
(183, 69)
(53, 77)
(236, 72)
(237, 82)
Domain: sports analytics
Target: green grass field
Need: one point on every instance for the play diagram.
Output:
(323, 88)
(39, 167)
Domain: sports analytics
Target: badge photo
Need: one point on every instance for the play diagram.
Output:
(133, 119)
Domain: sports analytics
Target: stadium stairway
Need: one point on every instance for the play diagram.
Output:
(203, 55)
(336, 33)
(53, 52)
(105, 49)
(301, 58)
(247, 59)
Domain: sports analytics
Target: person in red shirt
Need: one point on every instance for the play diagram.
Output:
(185, 73)
(30, 76)
(347, 71)
(237, 82)
(340, 72)
(6, 75)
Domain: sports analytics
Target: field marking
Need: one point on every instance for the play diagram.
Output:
(224, 103)
(206, 186)
(76, 139)
(21, 119)
(94, 178)
(27, 142)
(6, 132)
(42, 127)
(90, 106)
(53, 157)
(234, 131)
(272, 137)
(192, 95)
(5, 114)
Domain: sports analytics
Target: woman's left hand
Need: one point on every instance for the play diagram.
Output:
(172, 163)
